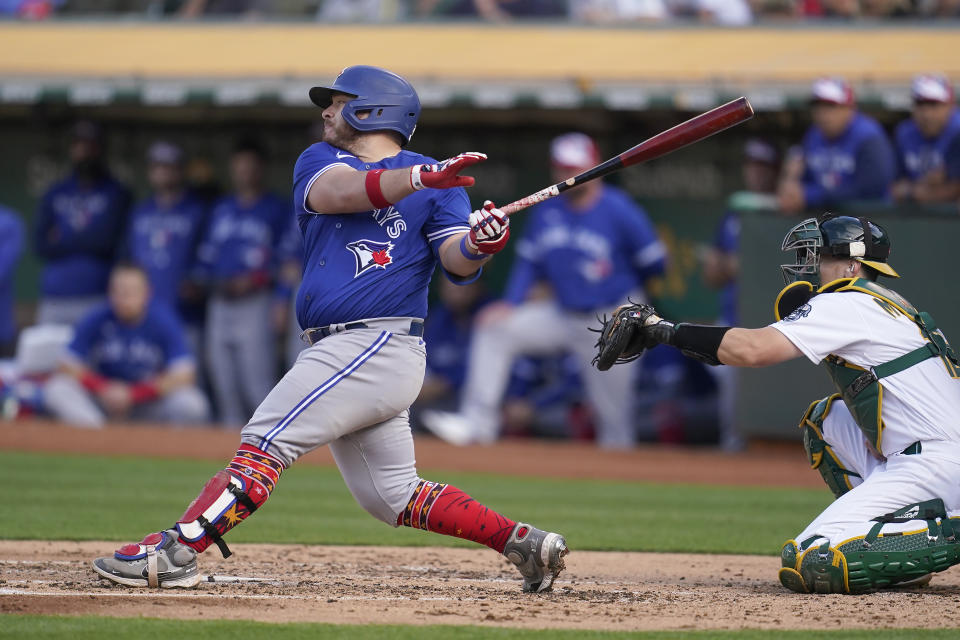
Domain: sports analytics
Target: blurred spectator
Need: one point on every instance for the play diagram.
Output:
(222, 8)
(593, 246)
(721, 267)
(845, 155)
(928, 144)
(165, 232)
(361, 10)
(128, 360)
(29, 9)
(80, 226)
(615, 11)
(494, 10)
(237, 261)
(840, 8)
(886, 8)
(11, 248)
(729, 13)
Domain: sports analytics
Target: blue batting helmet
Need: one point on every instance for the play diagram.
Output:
(390, 101)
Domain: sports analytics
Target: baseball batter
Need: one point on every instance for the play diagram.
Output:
(891, 449)
(376, 219)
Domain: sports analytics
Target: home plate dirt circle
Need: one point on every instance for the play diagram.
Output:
(401, 585)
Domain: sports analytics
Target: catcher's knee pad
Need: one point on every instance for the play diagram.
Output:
(228, 498)
(877, 559)
(819, 453)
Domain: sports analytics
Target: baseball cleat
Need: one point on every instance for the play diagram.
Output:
(160, 560)
(538, 555)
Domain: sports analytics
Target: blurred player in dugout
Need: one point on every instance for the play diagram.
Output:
(79, 229)
(164, 233)
(928, 144)
(128, 360)
(845, 155)
(580, 253)
(237, 262)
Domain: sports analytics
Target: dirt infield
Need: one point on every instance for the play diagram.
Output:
(615, 591)
(396, 585)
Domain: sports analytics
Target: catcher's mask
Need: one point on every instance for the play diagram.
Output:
(836, 236)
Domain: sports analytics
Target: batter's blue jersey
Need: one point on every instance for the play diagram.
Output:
(917, 156)
(79, 230)
(858, 165)
(11, 247)
(242, 239)
(132, 353)
(376, 263)
(164, 241)
(592, 258)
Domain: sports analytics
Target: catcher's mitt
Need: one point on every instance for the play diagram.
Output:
(621, 339)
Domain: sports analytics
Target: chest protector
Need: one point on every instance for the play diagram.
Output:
(860, 388)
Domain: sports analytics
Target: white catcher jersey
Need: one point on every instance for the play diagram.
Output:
(919, 403)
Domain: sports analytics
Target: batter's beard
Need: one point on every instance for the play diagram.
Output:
(341, 135)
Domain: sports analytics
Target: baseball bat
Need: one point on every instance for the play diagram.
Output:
(693, 130)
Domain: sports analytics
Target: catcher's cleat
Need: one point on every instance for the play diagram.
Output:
(538, 555)
(160, 560)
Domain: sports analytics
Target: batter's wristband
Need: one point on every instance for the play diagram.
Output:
(699, 341)
(144, 392)
(374, 193)
(415, 182)
(93, 382)
(466, 252)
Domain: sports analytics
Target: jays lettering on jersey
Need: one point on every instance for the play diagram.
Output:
(919, 403)
(858, 165)
(242, 239)
(163, 240)
(372, 264)
(591, 258)
(132, 353)
(917, 156)
(79, 229)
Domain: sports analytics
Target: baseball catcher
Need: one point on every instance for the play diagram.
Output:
(887, 443)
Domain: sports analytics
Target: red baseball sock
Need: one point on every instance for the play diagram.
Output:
(445, 509)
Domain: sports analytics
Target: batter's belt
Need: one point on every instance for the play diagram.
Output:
(403, 326)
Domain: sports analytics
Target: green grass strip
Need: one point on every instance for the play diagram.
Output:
(92, 628)
(123, 498)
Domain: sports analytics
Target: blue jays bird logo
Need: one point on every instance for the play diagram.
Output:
(371, 254)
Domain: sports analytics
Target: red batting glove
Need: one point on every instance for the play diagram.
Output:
(444, 175)
(489, 229)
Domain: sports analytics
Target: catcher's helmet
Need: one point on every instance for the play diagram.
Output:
(837, 236)
(391, 102)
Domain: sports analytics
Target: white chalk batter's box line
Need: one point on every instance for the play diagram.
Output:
(247, 596)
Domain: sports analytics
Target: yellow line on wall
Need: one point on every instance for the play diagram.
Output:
(460, 52)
